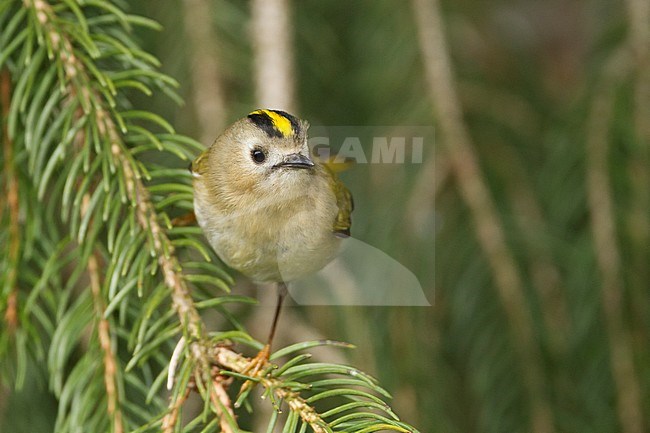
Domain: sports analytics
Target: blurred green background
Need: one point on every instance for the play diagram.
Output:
(529, 76)
(538, 213)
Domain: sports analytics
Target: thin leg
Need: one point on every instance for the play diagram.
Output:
(184, 220)
(261, 361)
(282, 293)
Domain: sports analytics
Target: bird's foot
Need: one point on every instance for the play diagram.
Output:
(184, 220)
(256, 365)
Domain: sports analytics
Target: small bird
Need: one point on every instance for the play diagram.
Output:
(270, 210)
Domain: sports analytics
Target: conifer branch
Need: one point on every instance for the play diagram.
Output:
(235, 362)
(171, 270)
(78, 85)
(104, 335)
(78, 80)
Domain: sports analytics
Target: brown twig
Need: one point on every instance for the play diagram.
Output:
(273, 54)
(207, 91)
(420, 206)
(221, 402)
(171, 418)
(607, 252)
(638, 205)
(12, 204)
(104, 335)
(465, 166)
(639, 19)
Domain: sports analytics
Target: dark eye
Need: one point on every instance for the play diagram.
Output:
(258, 156)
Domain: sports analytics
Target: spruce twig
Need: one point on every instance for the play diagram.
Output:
(104, 334)
(78, 80)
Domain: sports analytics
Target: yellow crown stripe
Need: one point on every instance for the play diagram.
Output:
(281, 123)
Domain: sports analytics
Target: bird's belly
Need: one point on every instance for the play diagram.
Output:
(269, 248)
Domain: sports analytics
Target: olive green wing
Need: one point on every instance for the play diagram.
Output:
(343, 221)
(199, 166)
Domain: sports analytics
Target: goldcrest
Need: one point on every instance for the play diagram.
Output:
(268, 208)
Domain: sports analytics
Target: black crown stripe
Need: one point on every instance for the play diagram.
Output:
(265, 123)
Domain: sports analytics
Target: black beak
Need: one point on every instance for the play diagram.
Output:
(296, 160)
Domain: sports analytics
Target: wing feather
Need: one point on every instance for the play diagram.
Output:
(343, 221)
